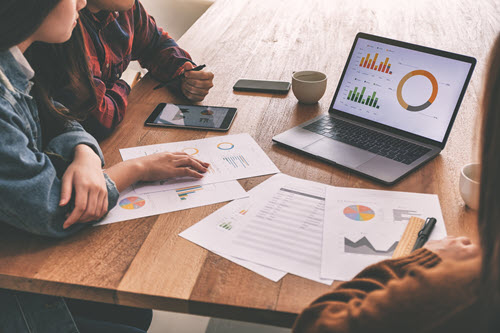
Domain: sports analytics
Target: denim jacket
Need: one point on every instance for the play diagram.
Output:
(30, 191)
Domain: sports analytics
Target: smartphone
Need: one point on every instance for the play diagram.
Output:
(213, 118)
(274, 87)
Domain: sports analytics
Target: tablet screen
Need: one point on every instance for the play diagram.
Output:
(191, 115)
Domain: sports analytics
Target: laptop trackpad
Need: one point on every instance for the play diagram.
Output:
(339, 152)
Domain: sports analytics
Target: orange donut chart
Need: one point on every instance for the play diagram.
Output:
(426, 104)
(191, 151)
(225, 146)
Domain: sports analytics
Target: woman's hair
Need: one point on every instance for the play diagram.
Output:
(59, 68)
(19, 19)
(61, 71)
(489, 210)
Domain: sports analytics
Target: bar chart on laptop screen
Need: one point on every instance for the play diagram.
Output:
(407, 89)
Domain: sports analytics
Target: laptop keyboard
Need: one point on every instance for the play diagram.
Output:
(367, 139)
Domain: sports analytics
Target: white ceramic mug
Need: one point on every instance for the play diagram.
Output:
(308, 86)
(469, 184)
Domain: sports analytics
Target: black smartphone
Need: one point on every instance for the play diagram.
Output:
(213, 118)
(274, 87)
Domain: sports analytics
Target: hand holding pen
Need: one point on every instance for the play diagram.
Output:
(454, 248)
(161, 85)
(195, 83)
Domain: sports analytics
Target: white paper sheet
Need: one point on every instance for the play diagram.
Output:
(215, 232)
(132, 205)
(231, 157)
(283, 229)
(363, 227)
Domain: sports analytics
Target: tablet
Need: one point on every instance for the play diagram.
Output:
(192, 116)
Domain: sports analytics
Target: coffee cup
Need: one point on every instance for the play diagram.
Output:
(469, 184)
(308, 86)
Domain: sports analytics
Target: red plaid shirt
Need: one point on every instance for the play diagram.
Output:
(114, 39)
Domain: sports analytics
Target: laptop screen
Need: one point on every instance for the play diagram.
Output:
(409, 90)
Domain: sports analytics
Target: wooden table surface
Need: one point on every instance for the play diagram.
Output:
(145, 263)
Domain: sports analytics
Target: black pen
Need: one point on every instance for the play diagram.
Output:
(423, 235)
(197, 68)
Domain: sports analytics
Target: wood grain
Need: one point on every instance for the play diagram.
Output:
(144, 263)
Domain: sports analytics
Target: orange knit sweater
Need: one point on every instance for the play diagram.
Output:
(418, 293)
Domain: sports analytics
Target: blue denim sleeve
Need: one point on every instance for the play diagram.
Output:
(29, 186)
(73, 135)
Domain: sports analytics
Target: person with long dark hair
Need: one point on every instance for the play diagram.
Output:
(51, 177)
(452, 285)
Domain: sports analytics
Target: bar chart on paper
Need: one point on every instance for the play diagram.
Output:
(132, 206)
(238, 161)
(184, 192)
(230, 157)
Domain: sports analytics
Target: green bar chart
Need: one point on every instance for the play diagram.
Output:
(359, 97)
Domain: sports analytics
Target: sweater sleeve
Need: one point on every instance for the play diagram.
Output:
(399, 295)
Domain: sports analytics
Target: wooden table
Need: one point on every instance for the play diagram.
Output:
(144, 263)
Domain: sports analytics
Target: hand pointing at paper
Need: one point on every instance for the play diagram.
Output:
(156, 167)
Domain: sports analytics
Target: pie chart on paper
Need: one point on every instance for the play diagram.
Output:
(359, 213)
(132, 203)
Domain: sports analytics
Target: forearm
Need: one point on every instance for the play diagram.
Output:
(83, 151)
(126, 173)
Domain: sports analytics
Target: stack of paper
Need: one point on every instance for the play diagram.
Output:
(284, 225)
(312, 230)
(269, 229)
(231, 157)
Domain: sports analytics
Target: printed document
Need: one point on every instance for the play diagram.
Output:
(231, 157)
(132, 205)
(363, 227)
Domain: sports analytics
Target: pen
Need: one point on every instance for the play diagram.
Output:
(423, 235)
(197, 68)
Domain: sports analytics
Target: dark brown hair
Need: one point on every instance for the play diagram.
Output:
(489, 208)
(19, 19)
(58, 67)
(60, 70)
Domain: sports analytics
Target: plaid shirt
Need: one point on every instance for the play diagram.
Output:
(114, 39)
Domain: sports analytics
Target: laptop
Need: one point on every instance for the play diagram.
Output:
(393, 109)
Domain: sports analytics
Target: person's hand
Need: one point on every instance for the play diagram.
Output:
(85, 177)
(454, 248)
(196, 84)
(167, 165)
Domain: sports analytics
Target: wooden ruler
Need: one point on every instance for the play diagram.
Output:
(409, 237)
